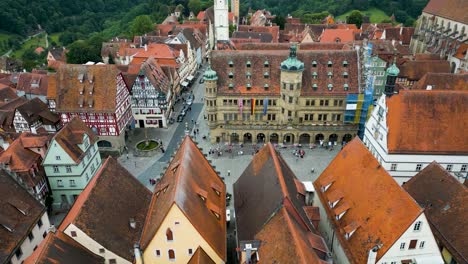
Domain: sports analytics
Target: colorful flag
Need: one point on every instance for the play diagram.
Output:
(252, 106)
(265, 106)
(241, 105)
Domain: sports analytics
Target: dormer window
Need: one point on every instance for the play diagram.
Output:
(248, 75)
(314, 86)
(330, 87)
(231, 86)
(231, 64)
(249, 86)
(231, 75)
(330, 75)
(345, 87)
(314, 64)
(345, 75)
(266, 86)
(350, 229)
(314, 75)
(266, 75)
(248, 64)
(266, 64)
(330, 64)
(345, 64)
(217, 215)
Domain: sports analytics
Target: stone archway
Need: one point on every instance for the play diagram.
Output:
(274, 138)
(104, 144)
(333, 138)
(319, 137)
(347, 138)
(234, 138)
(260, 138)
(304, 138)
(247, 138)
(288, 138)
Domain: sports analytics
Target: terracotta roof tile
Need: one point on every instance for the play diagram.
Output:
(337, 35)
(286, 46)
(200, 257)
(422, 122)
(445, 200)
(416, 69)
(188, 176)
(33, 83)
(402, 34)
(7, 94)
(104, 85)
(273, 30)
(35, 110)
(450, 9)
(104, 208)
(220, 63)
(262, 36)
(373, 196)
(442, 81)
(60, 248)
(12, 196)
(279, 203)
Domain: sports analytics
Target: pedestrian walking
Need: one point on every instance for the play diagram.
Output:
(229, 173)
(192, 120)
(198, 131)
(127, 156)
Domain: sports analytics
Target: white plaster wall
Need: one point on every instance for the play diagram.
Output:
(28, 246)
(429, 254)
(92, 245)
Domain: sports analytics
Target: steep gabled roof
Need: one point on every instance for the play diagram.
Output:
(416, 69)
(104, 208)
(424, 122)
(450, 9)
(274, 213)
(71, 135)
(35, 110)
(19, 212)
(101, 80)
(153, 71)
(337, 35)
(200, 257)
(57, 247)
(33, 83)
(445, 201)
(379, 212)
(188, 178)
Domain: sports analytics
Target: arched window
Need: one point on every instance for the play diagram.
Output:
(171, 254)
(417, 226)
(169, 235)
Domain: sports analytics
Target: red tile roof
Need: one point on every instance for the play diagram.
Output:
(60, 248)
(104, 208)
(188, 177)
(273, 30)
(220, 63)
(337, 35)
(445, 200)
(402, 34)
(14, 199)
(6, 94)
(380, 210)
(423, 122)
(450, 9)
(33, 83)
(280, 203)
(416, 69)
(71, 135)
(442, 81)
(103, 86)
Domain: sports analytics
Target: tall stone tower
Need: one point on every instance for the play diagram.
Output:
(211, 80)
(221, 17)
(235, 10)
(291, 84)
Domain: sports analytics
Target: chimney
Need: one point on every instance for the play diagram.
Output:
(146, 47)
(401, 31)
(137, 252)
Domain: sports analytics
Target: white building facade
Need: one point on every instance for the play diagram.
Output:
(404, 166)
(221, 20)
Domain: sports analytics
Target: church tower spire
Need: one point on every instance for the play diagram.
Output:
(221, 17)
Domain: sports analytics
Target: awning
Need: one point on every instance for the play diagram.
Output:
(184, 83)
(190, 78)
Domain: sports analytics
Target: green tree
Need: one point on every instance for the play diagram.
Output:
(356, 17)
(314, 18)
(141, 25)
(195, 6)
(279, 21)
